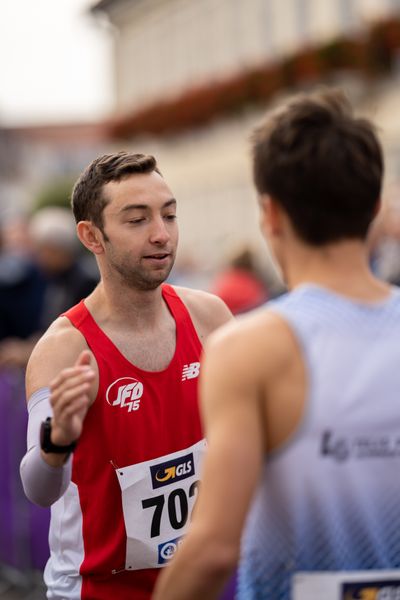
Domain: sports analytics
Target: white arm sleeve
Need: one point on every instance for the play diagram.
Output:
(42, 483)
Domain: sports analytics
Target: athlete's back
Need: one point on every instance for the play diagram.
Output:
(328, 499)
(301, 399)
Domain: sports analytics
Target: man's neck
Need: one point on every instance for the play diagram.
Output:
(126, 306)
(342, 267)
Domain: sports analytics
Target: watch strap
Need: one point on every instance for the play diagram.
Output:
(47, 445)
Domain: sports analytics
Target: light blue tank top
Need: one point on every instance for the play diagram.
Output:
(329, 500)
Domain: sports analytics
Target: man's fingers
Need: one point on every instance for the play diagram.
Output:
(84, 359)
(83, 364)
(70, 396)
(76, 408)
(70, 377)
(59, 398)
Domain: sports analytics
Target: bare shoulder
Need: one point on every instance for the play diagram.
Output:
(59, 347)
(208, 312)
(260, 340)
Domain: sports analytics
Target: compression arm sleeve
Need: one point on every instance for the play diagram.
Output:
(42, 483)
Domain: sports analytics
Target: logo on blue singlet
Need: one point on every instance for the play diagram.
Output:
(172, 470)
(334, 446)
(371, 590)
(342, 447)
(167, 550)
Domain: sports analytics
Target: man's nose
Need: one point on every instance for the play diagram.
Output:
(159, 232)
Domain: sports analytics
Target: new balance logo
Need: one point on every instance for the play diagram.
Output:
(190, 371)
(125, 393)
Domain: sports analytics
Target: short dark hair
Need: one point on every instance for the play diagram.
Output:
(88, 200)
(322, 165)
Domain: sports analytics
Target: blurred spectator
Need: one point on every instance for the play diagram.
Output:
(69, 275)
(384, 241)
(21, 282)
(23, 527)
(35, 289)
(21, 292)
(240, 285)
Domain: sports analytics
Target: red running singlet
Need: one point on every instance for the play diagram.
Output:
(135, 469)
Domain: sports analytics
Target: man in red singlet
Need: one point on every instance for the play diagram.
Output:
(114, 435)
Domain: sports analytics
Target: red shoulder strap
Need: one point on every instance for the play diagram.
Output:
(77, 314)
(179, 311)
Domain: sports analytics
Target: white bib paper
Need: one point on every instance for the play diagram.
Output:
(158, 498)
(347, 585)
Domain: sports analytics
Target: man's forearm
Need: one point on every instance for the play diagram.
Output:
(43, 484)
(44, 480)
(197, 573)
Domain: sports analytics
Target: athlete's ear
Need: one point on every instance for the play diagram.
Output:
(271, 216)
(378, 207)
(90, 236)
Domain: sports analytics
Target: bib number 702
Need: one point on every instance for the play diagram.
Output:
(177, 516)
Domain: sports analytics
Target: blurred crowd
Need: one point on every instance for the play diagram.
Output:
(42, 273)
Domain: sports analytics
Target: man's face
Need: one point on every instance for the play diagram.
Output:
(140, 224)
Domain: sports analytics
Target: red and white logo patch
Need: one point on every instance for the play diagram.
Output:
(125, 392)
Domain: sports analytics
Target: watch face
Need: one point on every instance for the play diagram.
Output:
(47, 445)
(45, 431)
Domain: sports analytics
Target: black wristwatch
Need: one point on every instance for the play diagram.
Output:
(47, 445)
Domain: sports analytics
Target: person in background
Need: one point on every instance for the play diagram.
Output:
(21, 282)
(70, 275)
(240, 285)
(114, 437)
(42, 274)
(384, 240)
(301, 398)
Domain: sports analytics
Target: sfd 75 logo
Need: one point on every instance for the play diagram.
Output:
(125, 392)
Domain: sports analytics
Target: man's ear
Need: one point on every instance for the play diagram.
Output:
(90, 236)
(271, 216)
(378, 207)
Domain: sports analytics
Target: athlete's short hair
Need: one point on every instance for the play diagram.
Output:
(323, 166)
(88, 200)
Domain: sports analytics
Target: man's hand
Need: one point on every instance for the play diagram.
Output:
(70, 399)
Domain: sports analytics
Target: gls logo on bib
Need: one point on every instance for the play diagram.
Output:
(125, 393)
(172, 470)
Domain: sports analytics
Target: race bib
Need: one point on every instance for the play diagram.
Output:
(158, 498)
(347, 585)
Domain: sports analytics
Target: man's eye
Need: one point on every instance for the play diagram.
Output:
(136, 221)
(170, 217)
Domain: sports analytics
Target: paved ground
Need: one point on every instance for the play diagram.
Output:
(21, 586)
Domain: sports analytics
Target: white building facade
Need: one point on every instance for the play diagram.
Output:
(162, 48)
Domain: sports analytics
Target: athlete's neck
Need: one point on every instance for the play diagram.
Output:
(127, 307)
(342, 267)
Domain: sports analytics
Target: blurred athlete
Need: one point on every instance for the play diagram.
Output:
(114, 436)
(301, 399)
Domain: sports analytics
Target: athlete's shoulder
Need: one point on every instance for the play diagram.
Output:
(261, 338)
(200, 298)
(207, 311)
(60, 331)
(59, 347)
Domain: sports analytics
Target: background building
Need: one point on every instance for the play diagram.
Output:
(193, 78)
